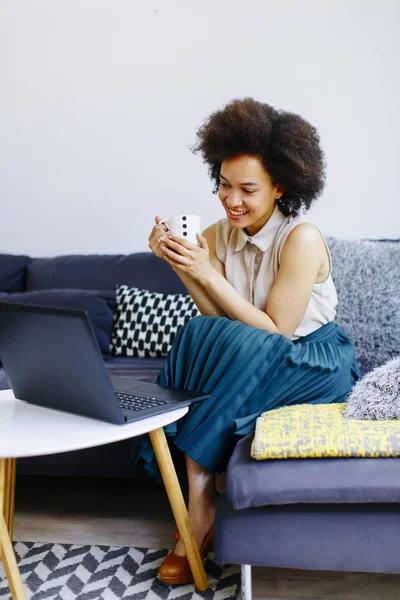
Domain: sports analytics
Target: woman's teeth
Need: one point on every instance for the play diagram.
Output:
(236, 213)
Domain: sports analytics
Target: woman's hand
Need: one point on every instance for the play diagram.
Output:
(187, 257)
(156, 236)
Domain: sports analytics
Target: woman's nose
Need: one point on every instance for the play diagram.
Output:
(233, 199)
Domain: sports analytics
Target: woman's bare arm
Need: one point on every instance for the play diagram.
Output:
(301, 259)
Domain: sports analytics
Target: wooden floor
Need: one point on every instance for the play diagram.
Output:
(117, 512)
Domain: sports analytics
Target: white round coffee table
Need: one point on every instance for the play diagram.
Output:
(29, 430)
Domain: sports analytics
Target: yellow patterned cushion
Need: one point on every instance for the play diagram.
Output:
(321, 431)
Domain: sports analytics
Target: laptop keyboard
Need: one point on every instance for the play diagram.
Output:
(132, 402)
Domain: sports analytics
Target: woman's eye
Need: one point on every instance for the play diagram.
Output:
(223, 184)
(249, 191)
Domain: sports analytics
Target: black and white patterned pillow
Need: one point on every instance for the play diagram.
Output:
(146, 323)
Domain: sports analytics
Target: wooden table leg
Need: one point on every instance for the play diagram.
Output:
(3, 487)
(6, 550)
(9, 499)
(8, 477)
(10, 563)
(178, 506)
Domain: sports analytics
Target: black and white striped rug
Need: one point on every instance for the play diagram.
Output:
(76, 572)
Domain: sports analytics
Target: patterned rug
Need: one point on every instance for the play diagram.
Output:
(76, 572)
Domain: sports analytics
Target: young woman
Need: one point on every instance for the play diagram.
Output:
(261, 279)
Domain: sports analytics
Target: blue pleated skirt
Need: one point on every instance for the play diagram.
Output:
(246, 371)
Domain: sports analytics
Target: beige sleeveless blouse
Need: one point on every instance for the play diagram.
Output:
(252, 263)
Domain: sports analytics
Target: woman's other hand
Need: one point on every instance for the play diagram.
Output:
(157, 235)
(187, 257)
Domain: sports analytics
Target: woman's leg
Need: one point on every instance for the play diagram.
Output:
(220, 482)
(202, 501)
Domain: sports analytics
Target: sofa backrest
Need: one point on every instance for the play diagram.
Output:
(12, 273)
(102, 272)
(367, 278)
(366, 275)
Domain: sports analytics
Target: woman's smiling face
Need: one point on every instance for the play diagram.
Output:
(247, 189)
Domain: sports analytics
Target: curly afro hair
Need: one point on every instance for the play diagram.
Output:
(286, 144)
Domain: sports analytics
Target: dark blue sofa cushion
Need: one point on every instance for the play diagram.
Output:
(145, 369)
(12, 272)
(103, 272)
(252, 483)
(98, 304)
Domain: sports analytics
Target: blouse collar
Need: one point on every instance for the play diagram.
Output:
(264, 237)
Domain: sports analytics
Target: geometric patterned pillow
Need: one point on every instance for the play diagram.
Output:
(145, 323)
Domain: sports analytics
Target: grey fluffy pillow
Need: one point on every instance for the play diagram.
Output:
(367, 278)
(377, 394)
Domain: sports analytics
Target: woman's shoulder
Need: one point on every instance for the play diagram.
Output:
(298, 229)
(302, 235)
(304, 232)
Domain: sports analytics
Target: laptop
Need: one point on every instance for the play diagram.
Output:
(52, 359)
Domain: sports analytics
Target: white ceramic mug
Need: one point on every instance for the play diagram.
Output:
(184, 226)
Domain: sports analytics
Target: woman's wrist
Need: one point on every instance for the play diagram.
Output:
(209, 279)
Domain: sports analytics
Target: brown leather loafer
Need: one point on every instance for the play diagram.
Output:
(175, 569)
(207, 542)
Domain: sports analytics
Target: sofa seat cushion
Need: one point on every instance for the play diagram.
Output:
(4, 384)
(252, 483)
(145, 369)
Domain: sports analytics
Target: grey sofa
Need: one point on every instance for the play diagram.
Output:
(312, 514)
(328, 514)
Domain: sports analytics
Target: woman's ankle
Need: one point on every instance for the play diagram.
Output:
(220, 482)
(201, 523)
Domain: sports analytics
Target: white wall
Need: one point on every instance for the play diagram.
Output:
(101, 98)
